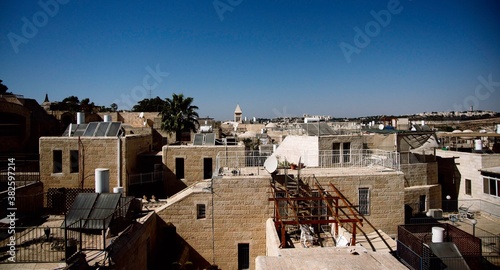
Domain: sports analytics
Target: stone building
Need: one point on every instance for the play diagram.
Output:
(22, 122)
(470, 180)
(417, 162)
(70, 161)
(222, 212)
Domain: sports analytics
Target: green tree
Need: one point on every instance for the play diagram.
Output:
(149, 105)
(113, 107)
(3, 88)
(86, 105)
(179, 115)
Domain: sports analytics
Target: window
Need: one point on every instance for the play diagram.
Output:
(421, 204)
(364, 201)
(468, 187)
(491, 186)
(346, 151)
(207, 168)
(73, 160)
(57, 161)
(179, 168)
(243, 256)
(336, 153)
(200, 211)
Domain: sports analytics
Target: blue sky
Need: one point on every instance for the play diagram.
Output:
(274, 58)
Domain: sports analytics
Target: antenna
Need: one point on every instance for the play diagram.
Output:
(271, 164)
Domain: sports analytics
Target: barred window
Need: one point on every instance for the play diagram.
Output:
(200, 211)
(364, 201)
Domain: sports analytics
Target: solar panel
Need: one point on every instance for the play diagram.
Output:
(95, 211)
(113, 129)
(101, 129)
(210, 139)
(198, 139)
(80, 209)
(89, 132)
(80, 129)
(101, 213)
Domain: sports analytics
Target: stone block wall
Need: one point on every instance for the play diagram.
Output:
(95, 152)
(419, 174)
(193, 163)
(432, 194)
(386, 191)
(137, 248)
(468, 166)
(326, 142)
(240, 211)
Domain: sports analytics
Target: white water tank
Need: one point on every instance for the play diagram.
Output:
(80, 118)
(498, 128)
(108, 118)
(102, 180)
(478, 145)
(437, 234)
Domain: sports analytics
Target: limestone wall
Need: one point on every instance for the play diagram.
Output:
(95, 152)
(386, 194)
(468, 166)
(138, 246)
(419, 174)
(193, 163)
(325, 142)
(240, 211)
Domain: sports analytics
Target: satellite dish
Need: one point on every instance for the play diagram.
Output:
(271, 164)
(381, 126)
(141, 115)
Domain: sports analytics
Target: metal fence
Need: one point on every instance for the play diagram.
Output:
(81, 238)
(472, 206)
(233, 162)
(145, 178)
(32, 245)
(414, 252)
(355, 158)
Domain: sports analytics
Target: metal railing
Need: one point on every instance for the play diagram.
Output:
(473, 206)
(240, 162)
(144, 178)
(233, 162)
(89, 234)
(354, 158)
(33, 245)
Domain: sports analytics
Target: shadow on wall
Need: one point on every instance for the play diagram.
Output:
(178, 253)
(172, 185)
(449, 178)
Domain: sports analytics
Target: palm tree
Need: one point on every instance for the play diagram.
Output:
(179, 115)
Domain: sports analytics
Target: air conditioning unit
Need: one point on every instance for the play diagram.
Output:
(436, 213)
